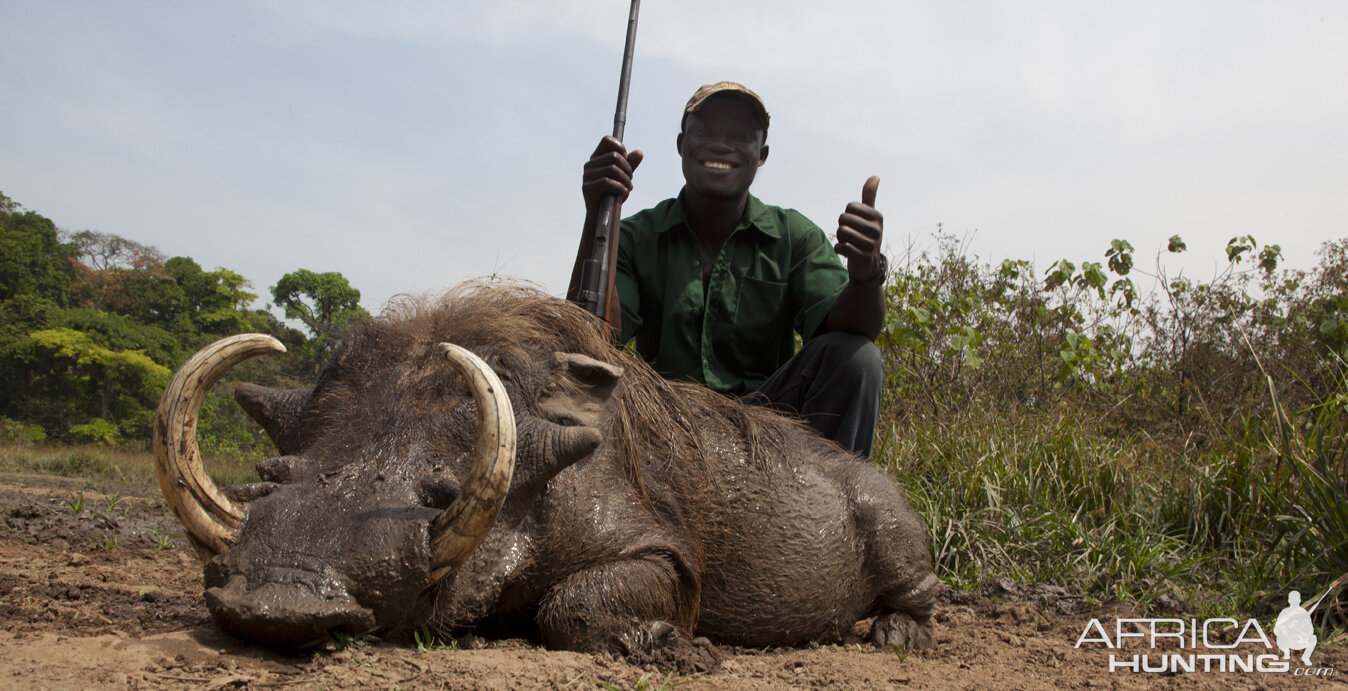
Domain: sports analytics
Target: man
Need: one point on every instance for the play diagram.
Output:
(713, 283)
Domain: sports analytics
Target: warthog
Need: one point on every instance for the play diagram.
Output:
(490, 461)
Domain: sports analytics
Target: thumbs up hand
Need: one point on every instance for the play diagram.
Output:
(860, 230)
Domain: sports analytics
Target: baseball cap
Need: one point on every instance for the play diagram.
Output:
(708, 90)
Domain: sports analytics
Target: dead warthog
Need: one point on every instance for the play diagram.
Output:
(489, 461)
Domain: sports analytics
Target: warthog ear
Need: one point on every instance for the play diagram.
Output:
(277, 410)
(583, 391)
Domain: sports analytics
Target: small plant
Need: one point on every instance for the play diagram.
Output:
(650, 682)
(111, 542)
(356, 641)
(74, 503)
(118, 504)
(334, 641)
(427, 641)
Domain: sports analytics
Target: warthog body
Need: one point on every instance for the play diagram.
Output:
(642, 515)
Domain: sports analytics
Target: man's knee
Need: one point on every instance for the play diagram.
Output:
(854, 358)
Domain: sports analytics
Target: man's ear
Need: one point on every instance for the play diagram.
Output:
(763, 155)
(678, 143)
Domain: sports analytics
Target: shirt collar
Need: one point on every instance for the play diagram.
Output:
(756, 216)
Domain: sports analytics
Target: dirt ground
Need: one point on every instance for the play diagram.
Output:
(99, 590)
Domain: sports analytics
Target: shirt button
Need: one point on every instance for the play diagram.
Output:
(696, 263)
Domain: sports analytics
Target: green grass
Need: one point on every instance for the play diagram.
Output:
(1047, 497)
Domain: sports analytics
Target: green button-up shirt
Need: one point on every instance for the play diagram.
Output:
(776, 275)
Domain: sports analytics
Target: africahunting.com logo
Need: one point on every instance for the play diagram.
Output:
(1172, 646)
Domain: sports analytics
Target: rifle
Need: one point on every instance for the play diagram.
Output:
(598, 295)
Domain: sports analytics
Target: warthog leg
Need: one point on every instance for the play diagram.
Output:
(898, 561)
(637, 608)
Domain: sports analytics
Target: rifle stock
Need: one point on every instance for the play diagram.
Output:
(598, 291)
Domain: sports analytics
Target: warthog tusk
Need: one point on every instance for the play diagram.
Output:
(211, 519)
(457, 531)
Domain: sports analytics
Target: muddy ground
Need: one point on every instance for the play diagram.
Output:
(99, 590)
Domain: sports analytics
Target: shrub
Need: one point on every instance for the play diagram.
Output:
(98, 431)
(14, 432)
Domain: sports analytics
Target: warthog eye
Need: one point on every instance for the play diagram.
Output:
(439, 492)
(280, 469)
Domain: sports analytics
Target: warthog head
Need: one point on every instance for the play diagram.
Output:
(393, 471)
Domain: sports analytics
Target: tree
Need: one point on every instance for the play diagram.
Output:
(124, 384)
(324, 302)
(33, 260)
(216, 302)
(114, 272)
(107, 251)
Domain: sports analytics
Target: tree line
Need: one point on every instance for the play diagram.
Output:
(92, 325)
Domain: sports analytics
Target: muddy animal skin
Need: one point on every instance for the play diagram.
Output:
(645, 518)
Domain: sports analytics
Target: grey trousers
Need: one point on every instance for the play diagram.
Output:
(833, 383)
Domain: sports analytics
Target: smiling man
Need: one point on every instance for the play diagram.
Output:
(714, 284)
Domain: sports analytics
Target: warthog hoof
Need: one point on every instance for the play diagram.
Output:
(660, 644)
(900, 631)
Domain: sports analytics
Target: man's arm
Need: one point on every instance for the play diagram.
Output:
(860, 308)
(609, 171)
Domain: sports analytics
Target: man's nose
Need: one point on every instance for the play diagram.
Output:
(721, 142)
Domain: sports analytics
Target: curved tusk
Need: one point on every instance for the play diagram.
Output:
(457, 531)
(210, 518)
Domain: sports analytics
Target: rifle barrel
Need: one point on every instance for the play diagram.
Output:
(625, 78)
(595, 272)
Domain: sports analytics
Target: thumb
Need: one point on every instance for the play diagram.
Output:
(634, 158)
(868, 190)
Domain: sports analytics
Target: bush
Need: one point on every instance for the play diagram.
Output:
(97, 431)
(1065, 427)
(14, 432)
(1178, 363)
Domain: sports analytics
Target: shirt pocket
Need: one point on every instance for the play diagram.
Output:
(760, 318)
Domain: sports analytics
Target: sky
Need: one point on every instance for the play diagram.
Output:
(414, 145)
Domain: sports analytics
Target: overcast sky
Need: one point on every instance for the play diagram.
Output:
(412, 145)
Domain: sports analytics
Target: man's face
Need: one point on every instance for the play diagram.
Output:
(722, 148)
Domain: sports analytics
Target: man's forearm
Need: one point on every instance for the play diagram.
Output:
(860, 309)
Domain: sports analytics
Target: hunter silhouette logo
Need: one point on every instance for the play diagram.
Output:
(1294, 629)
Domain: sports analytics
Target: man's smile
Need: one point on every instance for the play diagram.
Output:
(718, 165)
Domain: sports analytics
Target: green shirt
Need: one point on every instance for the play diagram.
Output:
(776, 275)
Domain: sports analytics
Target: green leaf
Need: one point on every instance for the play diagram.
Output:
(1120, 256)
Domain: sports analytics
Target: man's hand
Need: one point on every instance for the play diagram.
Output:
(609, 171)
(860, 230)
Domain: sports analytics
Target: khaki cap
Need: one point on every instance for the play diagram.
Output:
(709, 90)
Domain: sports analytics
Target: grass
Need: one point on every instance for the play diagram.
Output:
(428, 641)
(109, 463)
(1046, 497)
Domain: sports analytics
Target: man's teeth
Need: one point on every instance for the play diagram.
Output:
(717, 165)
